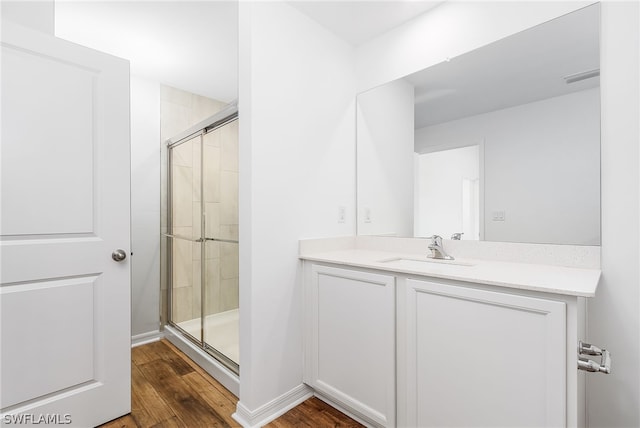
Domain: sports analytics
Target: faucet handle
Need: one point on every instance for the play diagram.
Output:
(436, 239)
(457, 236)
(437, 250)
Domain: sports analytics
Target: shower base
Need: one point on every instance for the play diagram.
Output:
(221, 331)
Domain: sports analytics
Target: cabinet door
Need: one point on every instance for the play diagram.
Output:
(481, 358)
(351, 341)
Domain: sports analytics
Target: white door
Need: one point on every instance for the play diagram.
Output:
(64, 194)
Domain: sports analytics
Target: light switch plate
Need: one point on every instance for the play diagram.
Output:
(498, 216)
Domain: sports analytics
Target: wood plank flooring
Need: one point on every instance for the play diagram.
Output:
(170, 390)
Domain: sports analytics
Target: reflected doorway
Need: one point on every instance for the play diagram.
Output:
(448, 193)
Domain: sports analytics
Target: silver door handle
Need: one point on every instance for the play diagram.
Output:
(118, 255)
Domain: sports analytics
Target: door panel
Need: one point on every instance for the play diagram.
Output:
(221, 275)
(186, 226)
(63, 114)
(64, 188)
(68, 363)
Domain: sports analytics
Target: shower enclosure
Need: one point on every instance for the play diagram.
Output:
(202, 238)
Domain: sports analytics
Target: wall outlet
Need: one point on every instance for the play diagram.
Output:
(498, 216)
(342, 214)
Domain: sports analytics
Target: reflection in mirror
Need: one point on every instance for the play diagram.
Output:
(499, 144)
(447, 188)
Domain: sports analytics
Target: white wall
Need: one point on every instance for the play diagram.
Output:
(541, 167)
(613, 314)
(385, 157)
(145, 206)
(38, 15)
(297, 157)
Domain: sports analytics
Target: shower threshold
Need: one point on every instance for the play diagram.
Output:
(221, 332)
(219, 371)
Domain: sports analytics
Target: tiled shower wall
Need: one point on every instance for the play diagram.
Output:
(179, 111)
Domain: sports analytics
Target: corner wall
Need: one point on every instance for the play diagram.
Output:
(297, 157)
(614, 314)
(145, 208)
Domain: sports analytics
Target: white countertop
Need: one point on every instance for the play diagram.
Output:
(570, 281)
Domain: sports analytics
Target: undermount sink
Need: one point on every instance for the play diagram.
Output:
(408, 263)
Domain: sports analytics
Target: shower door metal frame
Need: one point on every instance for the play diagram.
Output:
(218, 120)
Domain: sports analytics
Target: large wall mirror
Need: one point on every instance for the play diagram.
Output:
(499, 144)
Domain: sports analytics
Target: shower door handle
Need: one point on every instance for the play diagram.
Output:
(118, 255)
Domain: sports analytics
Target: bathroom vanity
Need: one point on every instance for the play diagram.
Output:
(396, 339)
(491, 338)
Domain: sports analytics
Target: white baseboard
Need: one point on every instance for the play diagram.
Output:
(347, 410)
(270, 411)
(144, 338)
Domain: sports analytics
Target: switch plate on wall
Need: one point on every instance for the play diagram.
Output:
(341, 214)
(497, 216)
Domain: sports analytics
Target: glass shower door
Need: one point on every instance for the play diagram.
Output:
(220, 214)
(185, 241)
(203, 239)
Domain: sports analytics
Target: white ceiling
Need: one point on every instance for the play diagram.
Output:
(189, 45)
(193, 45)
(359, 21)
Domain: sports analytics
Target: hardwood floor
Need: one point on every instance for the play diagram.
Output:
(170, 390)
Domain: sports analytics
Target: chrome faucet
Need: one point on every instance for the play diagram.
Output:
(437, 250)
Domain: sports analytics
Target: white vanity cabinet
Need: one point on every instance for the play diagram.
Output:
(397, 349)
(470, 356)
(350, 340)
